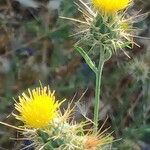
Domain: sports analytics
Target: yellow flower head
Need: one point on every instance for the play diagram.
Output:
(110, 6)
(38, 108)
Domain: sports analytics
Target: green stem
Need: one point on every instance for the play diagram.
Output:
(98, 91)
(98, 73)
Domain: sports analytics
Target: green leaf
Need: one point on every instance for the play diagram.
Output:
(86, 58)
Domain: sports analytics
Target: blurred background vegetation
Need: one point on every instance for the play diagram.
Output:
(35, 44)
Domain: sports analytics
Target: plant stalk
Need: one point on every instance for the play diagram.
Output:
(98, 91)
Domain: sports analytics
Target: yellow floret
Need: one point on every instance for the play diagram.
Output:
(38, 108)
(110, 6)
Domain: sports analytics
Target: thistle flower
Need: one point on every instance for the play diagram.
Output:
(103, 30)
(110, 6)
(38, 108)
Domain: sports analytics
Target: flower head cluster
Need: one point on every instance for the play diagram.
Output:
(38, 108)
(48, 128)
(110, 6)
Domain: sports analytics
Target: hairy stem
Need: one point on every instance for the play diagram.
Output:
(98, 91)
